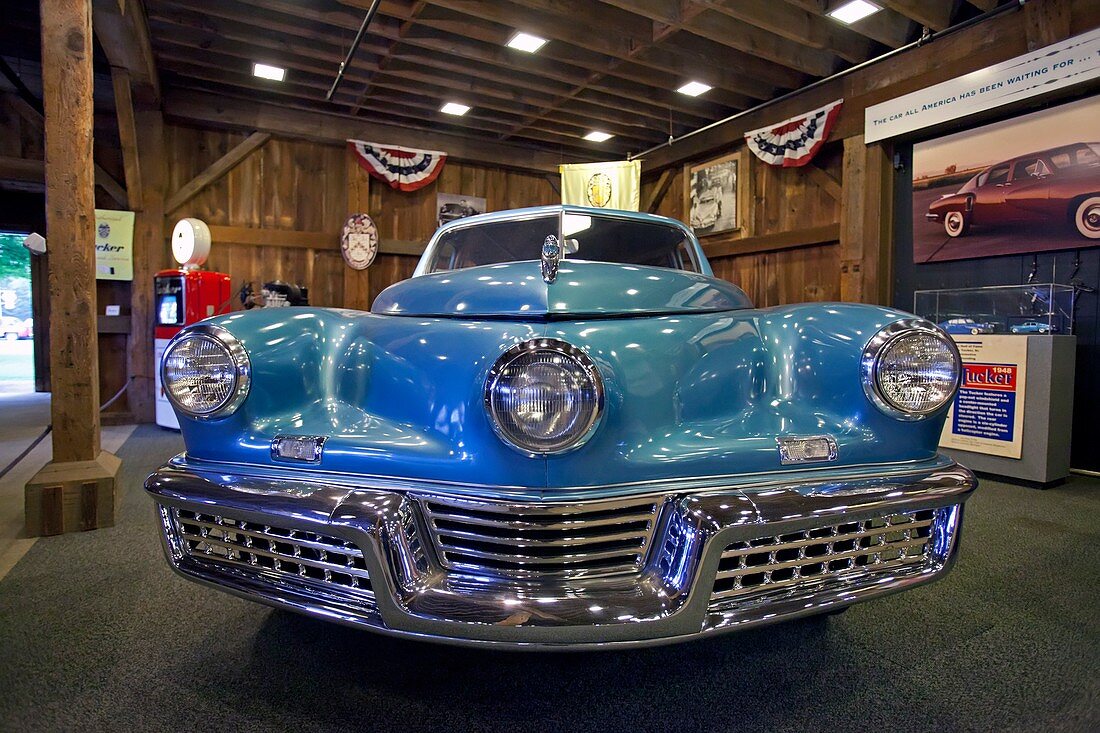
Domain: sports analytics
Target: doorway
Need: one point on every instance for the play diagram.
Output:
(16, 317)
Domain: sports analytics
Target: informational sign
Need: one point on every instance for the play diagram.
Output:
(114, 245)
(1058, 65)
(988, 413)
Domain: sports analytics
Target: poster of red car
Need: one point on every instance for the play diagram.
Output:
(1028, 184)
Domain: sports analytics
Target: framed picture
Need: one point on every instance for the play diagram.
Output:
(455, 206)
(712, 197)
(1019, 186)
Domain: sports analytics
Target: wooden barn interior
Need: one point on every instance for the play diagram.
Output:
(156, 103)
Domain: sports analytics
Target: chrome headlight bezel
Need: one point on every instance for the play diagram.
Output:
(561, 348)
(242, 369)
(880, 343)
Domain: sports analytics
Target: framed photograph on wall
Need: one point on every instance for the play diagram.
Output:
(1026, 184)
(456, 206)
(711, 196)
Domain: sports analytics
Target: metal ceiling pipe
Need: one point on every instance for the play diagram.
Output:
(354, 47)
(767, 103)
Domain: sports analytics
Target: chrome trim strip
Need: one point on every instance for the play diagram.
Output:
(667, 599)
(759, 479)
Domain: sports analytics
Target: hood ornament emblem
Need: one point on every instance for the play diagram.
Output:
(551, 255)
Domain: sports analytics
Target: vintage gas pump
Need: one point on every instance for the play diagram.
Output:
(185, 296)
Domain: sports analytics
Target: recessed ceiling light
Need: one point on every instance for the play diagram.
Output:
(454, 108)
(853, 10)
(275, 73)
(694, 88)
(526, 42)
(598, 137)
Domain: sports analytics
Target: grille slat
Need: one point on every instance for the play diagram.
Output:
(335, 546)
(586, 539)
(272, 553)
(870, 547)
(555, 522)
(518, 540)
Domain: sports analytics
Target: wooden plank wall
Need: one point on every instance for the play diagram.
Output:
(285, 185)
(303, 186)
(785, 200)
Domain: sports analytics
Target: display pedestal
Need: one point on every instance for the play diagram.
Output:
(1048, 417)
(72, 497)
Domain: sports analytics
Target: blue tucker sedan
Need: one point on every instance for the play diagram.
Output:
(562, 431)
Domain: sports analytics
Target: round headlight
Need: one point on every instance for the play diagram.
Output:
(205, 372)
(910, 369)
(544, 396)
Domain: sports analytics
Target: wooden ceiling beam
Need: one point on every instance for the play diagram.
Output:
(400, 110)
(210, 110)
(799, 26)
(29, 108)
(886, 26)
(935, 14)
(482, 42)
(748, 76)
(122, 30)
(212, 68)
(393, 112)
(226, 23)
(26, 170)
(732, 33)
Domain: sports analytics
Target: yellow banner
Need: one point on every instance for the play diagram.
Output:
(615, 185)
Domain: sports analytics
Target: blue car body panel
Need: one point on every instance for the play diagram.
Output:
(688, 394)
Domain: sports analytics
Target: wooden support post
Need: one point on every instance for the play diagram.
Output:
(76, 490)
(865, 218)
(150, 256)
(357, 291)
(127, 133)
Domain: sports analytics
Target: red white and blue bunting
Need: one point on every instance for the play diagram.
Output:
(404, 169)
(794, 142)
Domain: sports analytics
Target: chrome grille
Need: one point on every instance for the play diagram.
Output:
(590, 538)
(274, 553)
(838, 552)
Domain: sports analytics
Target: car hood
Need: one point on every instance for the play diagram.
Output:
(582, 289)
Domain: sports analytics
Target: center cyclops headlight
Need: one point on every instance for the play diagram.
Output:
(205, 372)
(544, 396)
(910, 369)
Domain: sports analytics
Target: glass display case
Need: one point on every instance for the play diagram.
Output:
(1036, 308)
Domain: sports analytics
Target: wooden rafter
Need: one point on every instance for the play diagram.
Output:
(935, 14)
(886, 26)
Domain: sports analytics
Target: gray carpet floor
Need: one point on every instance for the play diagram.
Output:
(97, 634)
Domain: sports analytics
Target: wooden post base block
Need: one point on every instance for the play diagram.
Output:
(72, 497)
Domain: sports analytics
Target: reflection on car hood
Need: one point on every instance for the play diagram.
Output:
(588, 289)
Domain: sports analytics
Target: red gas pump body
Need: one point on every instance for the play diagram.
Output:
(183, 297)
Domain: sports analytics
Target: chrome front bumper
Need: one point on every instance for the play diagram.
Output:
(715, 557)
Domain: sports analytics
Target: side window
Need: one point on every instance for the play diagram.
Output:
(998, 175)
(1030, 169)
(1087, 156)
(1061, 160)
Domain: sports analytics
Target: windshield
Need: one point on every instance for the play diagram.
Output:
(585, 237)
